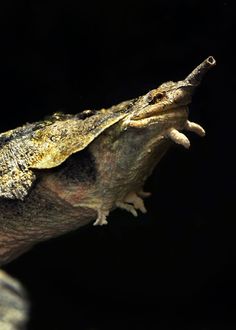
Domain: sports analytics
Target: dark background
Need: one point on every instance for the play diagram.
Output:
(173, 268)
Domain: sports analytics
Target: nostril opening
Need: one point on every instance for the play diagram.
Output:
(211, 60)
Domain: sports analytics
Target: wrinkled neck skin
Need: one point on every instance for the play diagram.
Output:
(41, 216)
(125, 158)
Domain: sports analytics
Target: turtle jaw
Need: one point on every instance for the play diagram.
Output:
(172, 106)
(167, 124)
(176, 117)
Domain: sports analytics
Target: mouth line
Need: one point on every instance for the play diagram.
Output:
(176, 118)
(181, 111)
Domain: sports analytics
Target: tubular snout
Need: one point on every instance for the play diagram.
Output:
(195, 77)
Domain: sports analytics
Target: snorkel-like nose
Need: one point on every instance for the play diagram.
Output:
(195, 77)
(185, 88)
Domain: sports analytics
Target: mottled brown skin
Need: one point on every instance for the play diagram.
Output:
(62, 173)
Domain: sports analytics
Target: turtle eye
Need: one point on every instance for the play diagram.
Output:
(159, 96)
(152, 99)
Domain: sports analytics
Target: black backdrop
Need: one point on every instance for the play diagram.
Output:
(174, 267)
